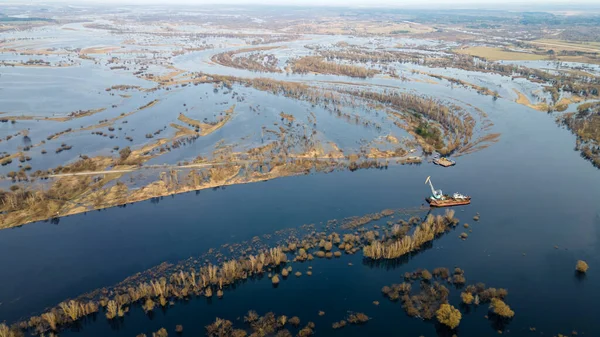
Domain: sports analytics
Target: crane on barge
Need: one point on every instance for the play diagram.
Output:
(435, 193)
(439, 199)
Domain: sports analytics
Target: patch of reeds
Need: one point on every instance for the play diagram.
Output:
(165, 286)
(354, 222)
(178, 286)
(317, 64)
(424, 233)
(267, 325)
(6, 331)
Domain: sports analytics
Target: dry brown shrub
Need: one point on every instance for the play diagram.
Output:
(295, 321)
(148, 305)
(581, 266)
(251, 317)
(339, 325)
(161, 333)
(467, 298)
(498, 307)
(50, 318)
(443, 273)
(448, 315)
(358, 318)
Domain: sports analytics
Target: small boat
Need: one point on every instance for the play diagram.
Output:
(438, 199)
(443, 161)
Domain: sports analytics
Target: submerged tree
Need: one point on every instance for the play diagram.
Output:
(467, 297)
(498, 307)
(448, 315)
(581, 266)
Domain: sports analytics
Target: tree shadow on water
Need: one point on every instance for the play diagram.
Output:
(116, 323)
(580, 276)
(442, 330)
(465, 308)
(498, 323)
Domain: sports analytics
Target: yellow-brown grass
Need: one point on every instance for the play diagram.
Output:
(497, 54)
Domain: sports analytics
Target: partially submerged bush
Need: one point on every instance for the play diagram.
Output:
(149, 305)
(443, 273)
(467, 298)
(498, 307)
(306, 331)
(459, 277)
(282, 320)
(124, 153)
(251, 317)
(161, 333)
(358, 318)
(280, 333)
(339, 325)
(448, 315)
(219, 328)
(295, 321)
(5, 331)
(113, 309)
(581, 266)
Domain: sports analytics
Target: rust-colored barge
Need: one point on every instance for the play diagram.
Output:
(438, 199)
(448, 201)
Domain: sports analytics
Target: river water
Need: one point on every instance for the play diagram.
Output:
(539, 209)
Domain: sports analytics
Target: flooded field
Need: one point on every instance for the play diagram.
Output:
(182, 171)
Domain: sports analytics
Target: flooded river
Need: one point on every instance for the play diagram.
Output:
(539, 214)
(538, 199)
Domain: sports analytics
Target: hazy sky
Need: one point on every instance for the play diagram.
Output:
(395, 3)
